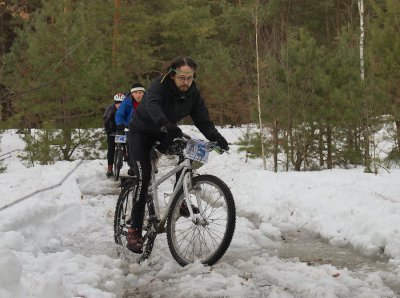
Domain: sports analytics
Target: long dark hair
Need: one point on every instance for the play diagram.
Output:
(177, 63)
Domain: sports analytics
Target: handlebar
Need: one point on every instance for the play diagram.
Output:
(212, 145)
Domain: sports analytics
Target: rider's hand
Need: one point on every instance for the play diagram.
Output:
(172, 130)
(121, 129)
(222, 142)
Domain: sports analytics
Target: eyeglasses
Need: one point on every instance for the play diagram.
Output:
(183, 78)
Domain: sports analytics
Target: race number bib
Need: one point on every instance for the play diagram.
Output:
(120, 139)
(197, 150)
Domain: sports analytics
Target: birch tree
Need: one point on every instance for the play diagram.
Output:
(258, 85)
(362, 76)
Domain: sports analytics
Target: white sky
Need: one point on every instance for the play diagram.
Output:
(59, 243)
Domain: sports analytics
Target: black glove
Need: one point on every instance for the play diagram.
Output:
(121, 129)
(222, 143)
(172, 130)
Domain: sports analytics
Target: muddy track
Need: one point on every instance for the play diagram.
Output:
(314, 251)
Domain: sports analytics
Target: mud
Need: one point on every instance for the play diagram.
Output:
(316, 251)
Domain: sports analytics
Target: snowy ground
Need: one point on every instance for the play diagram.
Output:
(59, 243)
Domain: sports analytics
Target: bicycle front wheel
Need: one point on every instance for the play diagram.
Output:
(210, 236)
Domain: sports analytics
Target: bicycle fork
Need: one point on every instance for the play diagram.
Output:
(187, 188)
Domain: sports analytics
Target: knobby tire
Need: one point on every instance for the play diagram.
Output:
(178, 225)
(122, 215)
(123, 220)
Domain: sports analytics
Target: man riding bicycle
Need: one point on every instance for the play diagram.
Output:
(170, 98)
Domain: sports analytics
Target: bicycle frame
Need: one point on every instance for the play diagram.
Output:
(184, 180)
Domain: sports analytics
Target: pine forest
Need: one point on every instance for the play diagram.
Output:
(318, 78)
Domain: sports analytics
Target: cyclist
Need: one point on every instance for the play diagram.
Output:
(127, 110)
(111, 127)
(128, 106)
(170, 98)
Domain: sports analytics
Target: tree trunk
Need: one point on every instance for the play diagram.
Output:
(275, 141)
(286, 149)
(221, 114)
(65, 148)
(291, 143)
(329, 159)
(117, 5)
(258, 88)
(361, 12)
(298, 161)
(350, 139)
(6, 106)
(367, 159)
(357, 137)
(398, 134)
(321, 146)
(66, 132)
(350, 142)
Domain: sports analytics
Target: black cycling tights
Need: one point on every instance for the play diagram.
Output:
(110, 149)
(140, 144)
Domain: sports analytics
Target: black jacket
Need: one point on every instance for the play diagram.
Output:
(164, 102)
(109, 119)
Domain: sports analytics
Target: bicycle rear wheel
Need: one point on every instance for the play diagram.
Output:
(123, 219)
(122, 215)
(150, 229)
(118, 161)
(209, 238)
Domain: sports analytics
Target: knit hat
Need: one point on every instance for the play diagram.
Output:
(137, 87)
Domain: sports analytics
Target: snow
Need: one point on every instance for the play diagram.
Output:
(59, 243)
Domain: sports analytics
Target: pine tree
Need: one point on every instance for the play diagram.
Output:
(384, 53)
(61, 54)
(343, 100)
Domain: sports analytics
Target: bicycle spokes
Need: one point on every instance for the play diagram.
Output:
(206, 235)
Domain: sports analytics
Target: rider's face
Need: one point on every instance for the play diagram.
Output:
(138, 95)
(183, 77)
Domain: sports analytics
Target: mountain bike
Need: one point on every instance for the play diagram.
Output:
(120, 153)
(206, 231)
